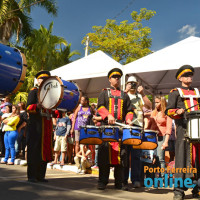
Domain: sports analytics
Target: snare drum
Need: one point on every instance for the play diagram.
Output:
(12, 70)
(90, 135)
(110, 133)
(193, 125)
(55, 93)
(149, 140)
(132, 136)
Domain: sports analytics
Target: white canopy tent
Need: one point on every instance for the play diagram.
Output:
(157, 70)
(90, 72)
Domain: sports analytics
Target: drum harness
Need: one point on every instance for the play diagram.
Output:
(191, 97)
(116, 102)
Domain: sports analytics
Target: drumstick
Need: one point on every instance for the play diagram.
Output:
(45, 95)
(124, 125)
(192, 106)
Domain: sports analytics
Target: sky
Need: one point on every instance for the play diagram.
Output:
(175, 20)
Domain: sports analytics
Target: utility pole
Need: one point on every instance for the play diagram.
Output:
(87, 45)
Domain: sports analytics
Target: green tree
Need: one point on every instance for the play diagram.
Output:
(43, 51)
(125, 42)
(15, 17)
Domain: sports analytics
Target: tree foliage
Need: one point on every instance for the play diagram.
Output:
(125, 42)
(14, 17)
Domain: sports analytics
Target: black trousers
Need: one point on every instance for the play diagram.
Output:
(2, 142)
(36, 170)
(104, 172)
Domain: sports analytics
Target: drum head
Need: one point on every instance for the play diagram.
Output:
(50, 92)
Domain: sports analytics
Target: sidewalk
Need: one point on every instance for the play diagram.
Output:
(66, 167)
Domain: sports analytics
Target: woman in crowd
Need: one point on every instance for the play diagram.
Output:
(11, 135)
(82, 117)
(21, 127)
(163, 124)
(7, 113)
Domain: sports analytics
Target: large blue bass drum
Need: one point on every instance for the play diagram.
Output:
(12, 70)
(55, 93)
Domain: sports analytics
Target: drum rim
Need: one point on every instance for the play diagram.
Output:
(108, 126)
(61, 95)
(133, 127)
(152, 131)
(23, 73)
(89, 126)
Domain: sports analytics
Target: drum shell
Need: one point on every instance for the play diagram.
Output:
(69, 100)
(193, 125)
(132, 136)
(12, 69)
(149, 140)
(90, 135)
(110, 134)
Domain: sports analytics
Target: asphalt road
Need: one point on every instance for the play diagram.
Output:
(69, 186)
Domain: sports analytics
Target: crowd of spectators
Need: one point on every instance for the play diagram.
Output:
(67, 150)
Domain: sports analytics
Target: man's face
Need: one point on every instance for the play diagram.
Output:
(39, 81)
(186, 78)
(115, 80)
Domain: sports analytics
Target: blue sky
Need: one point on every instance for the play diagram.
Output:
(174, 19)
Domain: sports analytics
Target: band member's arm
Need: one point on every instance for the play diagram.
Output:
(101, 106)
(172, 109)
(32, 106)
(129, 107)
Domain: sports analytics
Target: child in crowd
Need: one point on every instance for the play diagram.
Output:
(62, 130)
(82, 159)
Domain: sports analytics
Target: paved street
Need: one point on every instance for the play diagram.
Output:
(69, 186)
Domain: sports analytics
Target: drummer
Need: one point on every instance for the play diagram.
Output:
(39, 134)
(113, 105)
(138, 100)
(184, 150)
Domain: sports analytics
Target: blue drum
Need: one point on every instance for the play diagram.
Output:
(90, 135)
(149, 140)
(110, 134)
(55, 93)
(12, 70)
(132, 135)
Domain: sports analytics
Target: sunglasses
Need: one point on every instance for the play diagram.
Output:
(187, 75)
(116, 76)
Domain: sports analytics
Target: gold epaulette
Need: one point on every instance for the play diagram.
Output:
(34, 88)
(175, 89)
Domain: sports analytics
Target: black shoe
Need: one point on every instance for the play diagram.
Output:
(101, 186)
(125, 187)
(43, 180)
(32, 180)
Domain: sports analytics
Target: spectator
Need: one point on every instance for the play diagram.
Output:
(82, 117)
(5, 103)
(60, 136)
(163, 124)
(21, 128)
(82, 159)
(11, 134)
(8, 110)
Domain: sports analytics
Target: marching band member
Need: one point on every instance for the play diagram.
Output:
(113, 105)
(186, 153)
(39, 134)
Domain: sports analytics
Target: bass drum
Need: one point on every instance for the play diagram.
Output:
(12, 70)
(55, 93)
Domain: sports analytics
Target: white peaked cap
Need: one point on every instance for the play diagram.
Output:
(131, 79)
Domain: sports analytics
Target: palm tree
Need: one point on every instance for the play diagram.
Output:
(14, 17)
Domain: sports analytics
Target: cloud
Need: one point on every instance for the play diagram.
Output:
(187, 31)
